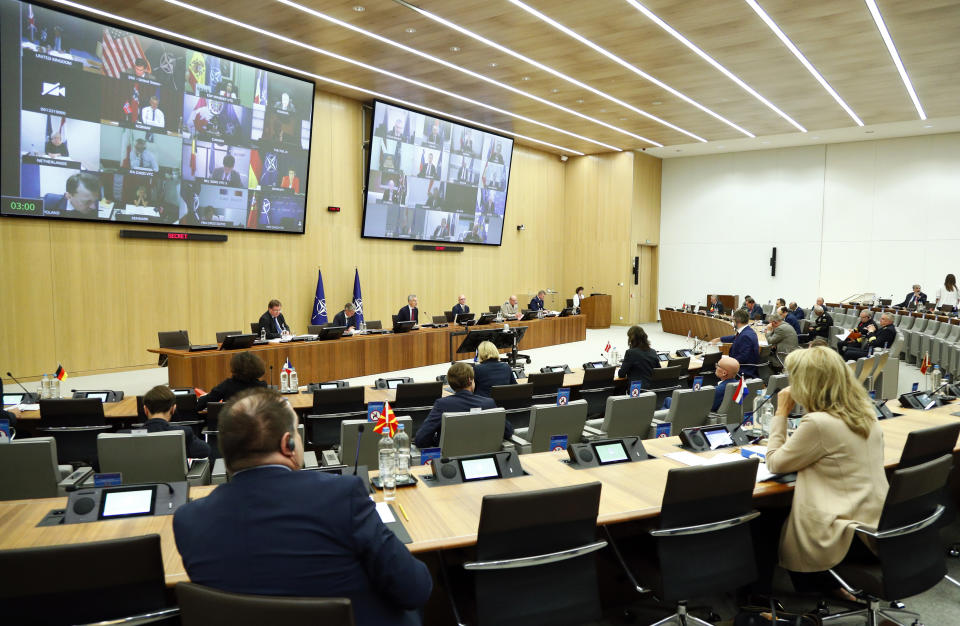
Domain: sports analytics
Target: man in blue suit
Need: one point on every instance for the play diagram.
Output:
(536, 303)
(274, 530)
(754, 310)
(726, 370)
(461, 308)
(791, 320)
(409, 313)
(746, 346)
(460, 379)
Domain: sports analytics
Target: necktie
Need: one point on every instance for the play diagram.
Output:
(277, 321)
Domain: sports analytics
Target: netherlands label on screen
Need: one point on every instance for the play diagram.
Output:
(21, 206)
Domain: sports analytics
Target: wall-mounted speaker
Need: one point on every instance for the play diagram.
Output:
(773, 262)
(636, 270)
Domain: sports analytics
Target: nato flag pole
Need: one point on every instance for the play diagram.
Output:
(319, 303)
(357, 298)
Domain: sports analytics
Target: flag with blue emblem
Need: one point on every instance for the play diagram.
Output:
(357, 298)
(319, 303)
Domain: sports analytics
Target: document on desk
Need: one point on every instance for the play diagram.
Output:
(386, 515)
(689, 458)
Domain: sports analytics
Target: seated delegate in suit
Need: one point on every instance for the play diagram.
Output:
(273, 320)
(754, 310)
(461, 308)
(795, 311)
(159, 405)
(837, 453)
(409, 313)
(822, 323)
(914, 299)
(347, 317)
(877, 338)
(274, 530)
(510, 309)
(490, 370)
(246, 369)
(715, 305)
(460, 379)
(536, 302)
(862, 329)
(780, 337)
(725, 371)
(746, 346)
(640, 359)
(227, 174)
(784, 314)
(80, 200)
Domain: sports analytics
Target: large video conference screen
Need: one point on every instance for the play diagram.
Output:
(112, 125)
(430, 179)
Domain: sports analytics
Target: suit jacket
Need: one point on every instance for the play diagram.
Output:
(921, 299)
(840, 482)
(459, 309)
(267, 321)
(273, 531)
(756, 313)
(717, 308)
(821, 326)
(428, 435)
(226, 390)
(341, 319)
(536, 304)
(509, 310)
(883, 337)
(639, 365)
(196, 448)
(718, 394)
(783, 338)
(428, 169)
(793, 322)
(390, 195)
(233, 180)
(404, 315)
(490, 373)
(745, 349)
(59, 202)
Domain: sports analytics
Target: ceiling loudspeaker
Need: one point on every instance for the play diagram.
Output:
(773, 262)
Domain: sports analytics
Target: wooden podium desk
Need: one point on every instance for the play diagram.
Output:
(359, 355)
(597, 310)
(447, 517)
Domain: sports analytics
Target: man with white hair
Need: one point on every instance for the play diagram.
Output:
(409, 313)
(914, 299)
(510, 309)
(823, 322)
(876, 339)
(461, 308)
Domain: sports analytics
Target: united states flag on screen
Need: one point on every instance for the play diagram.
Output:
(120, 52)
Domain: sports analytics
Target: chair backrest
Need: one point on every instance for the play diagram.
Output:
(325, 429)
(440, 319)
(512, 396)
(730, 410)
(595, 377)
(72, 412)
(369, 453)
(255, 328)
(690, 408)
(927, 444)
(755, 386)
(547, 420)
(536, 523)
(546, 382)
(111, 579)
(627, 417)
(173, 339)
(374, 324)
(913, 562)
(418, 394)
(474, 432)
(710, 362)
(226, 333)
(203, 606)
(700, 496)
(448, 316)
(494, 308)
(775, 385)
(666, 376)
(145, 458)
(683, 362)
(29, 468)
(339, 400)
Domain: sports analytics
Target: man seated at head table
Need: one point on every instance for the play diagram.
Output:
(274, 530)
(536, 302)
(914, 299)
(461, 308)
(460, 379)
(510, 309)
(159, 405)
(715, 305)
(273, 321)
(746, 346)
(347, 317)
(726, 370)
(409, 313)
(246, 369)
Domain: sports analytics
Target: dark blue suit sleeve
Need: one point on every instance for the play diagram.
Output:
(390, 567)
(728, 338)
(718, 397)
(196, 448)
(429, 431)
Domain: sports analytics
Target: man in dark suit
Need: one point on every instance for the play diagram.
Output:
(795, 311)
(460, 379)
(754, 310)
(428, 169)
(716, 306)
(727, 370)
(347, 317)
(274, 530)
(159, 405)
(227, 174)
(914, 299)
(81, 200)
(879, 338)
(746, 346)
(460, 308)
(390, 194)
(823, 322)
(536, 303)
(784, 314)
(273, 320)
(409, 313)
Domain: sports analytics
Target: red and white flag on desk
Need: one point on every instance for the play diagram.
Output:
(925, 364)
(741, 391)
(607, 349)
(287, 366)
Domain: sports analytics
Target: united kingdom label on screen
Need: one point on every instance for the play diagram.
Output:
(113, 125)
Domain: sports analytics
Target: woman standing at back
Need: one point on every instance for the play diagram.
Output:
(948, 294)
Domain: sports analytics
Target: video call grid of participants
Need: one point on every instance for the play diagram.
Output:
(148, 117)
(431, 166)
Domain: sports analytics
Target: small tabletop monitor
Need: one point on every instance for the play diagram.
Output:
(237, 342)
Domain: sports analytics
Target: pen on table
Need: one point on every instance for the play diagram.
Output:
(403, 511)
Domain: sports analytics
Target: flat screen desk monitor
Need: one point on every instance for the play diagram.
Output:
(339, 400)
(237, 342)
(330, 332)
(79, 412)
(403, 327)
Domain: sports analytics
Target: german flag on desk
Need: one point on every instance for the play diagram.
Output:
(61, 373)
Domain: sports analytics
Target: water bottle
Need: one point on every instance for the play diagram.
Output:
(294, 381)
(263, 334)
(936, 377)
(55, 388)
(284, 381)
(766, 416)
(45, 387)
(402, 441)
(388, 465)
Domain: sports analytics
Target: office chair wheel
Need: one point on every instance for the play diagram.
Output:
(954, 551)
(822, 609)
(713, 617)
(896, 604)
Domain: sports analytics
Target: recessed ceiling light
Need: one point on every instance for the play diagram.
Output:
(878, 19)
(603, 110)
(579, 100)
(454, 48)
(656, 103)
(525, 78)
(493, 65)
(359, 9)
(410, 29)
(555, 90)
(928, 125)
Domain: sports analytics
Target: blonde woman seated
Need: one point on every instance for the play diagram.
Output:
(490, 370)
(837, 453)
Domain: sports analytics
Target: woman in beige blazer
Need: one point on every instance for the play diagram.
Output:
(837, 452)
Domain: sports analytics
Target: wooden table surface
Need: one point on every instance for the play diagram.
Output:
(447, 517)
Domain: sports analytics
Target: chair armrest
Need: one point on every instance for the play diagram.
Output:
(591, 431)
(219, 474)
(522, 446)
(310, 460)
(74, 479)
(902, 530)
(199, 473)
(705, 528)
(537, 559)
(142, 618)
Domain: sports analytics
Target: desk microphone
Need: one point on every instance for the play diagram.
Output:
(356, 457)
(272, 385)
(11, 376)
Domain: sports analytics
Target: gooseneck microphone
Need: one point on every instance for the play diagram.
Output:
(356, 457)
(272, 384)
(12, 377)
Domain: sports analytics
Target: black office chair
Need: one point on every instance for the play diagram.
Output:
(255, 328)
(203, 606)
(545, 383)
(708, 367)
(172, 339)
(374, 325)
(211, 430)
(81, 583)
(417, 394)
(663, 380)
(494, 309)
(74, 424)
(516, 400)
(909, 558)
(705, 510)
(535, 561)
(224, 334)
